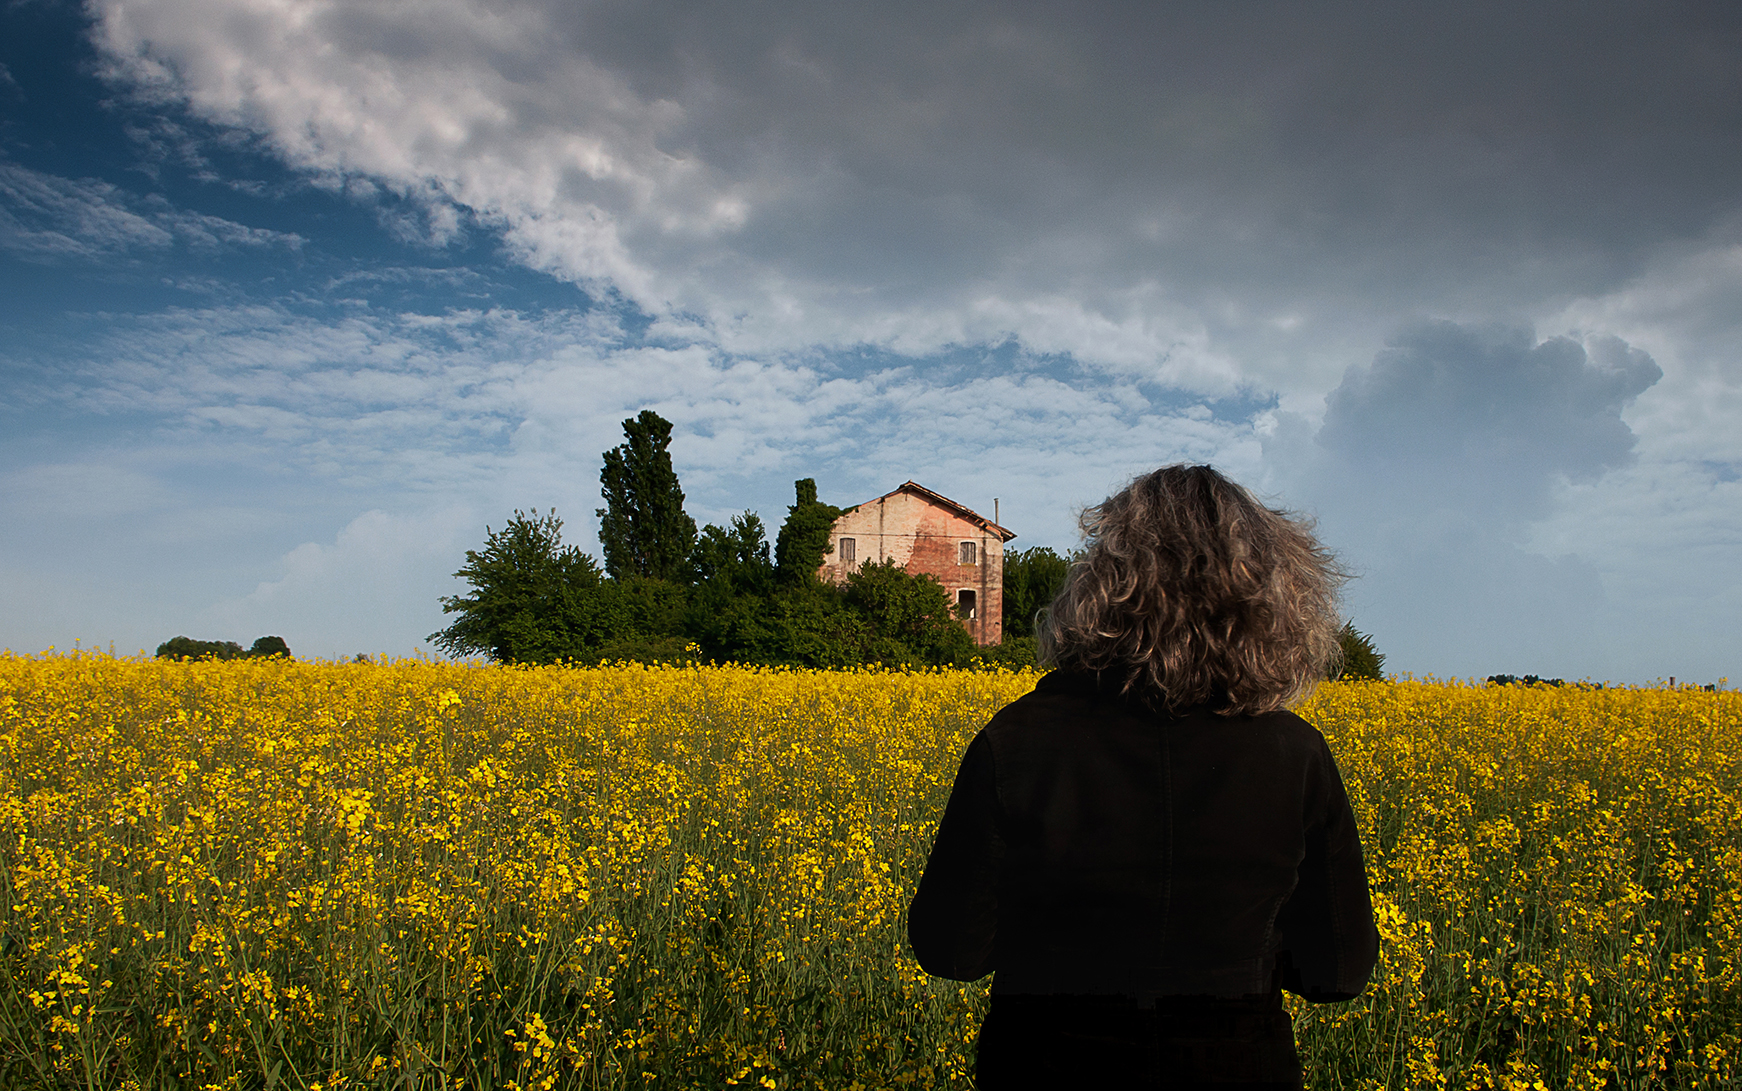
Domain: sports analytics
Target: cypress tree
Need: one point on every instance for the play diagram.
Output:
(642, 527)
(803, 541)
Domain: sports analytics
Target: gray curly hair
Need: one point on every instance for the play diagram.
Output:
(1196, 593)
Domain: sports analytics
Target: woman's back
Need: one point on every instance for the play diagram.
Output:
(1147, 855)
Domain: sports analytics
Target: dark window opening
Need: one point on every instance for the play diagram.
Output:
(965, 604)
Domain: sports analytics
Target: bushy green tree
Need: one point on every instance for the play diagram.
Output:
(642, 527)
(1032, 578)
(809, 624)
(736, 558)
(1013, 652)
(910, 618)
(268, 646)
(730, 613)
(533, 599)
(1360, 659)
(803, 541)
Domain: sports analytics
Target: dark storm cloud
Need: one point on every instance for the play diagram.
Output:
(1480, 131)
(1486, 418)
(1264, 181)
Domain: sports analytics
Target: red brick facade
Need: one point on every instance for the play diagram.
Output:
(932, 535)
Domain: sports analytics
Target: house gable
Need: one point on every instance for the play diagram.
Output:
(927, 533)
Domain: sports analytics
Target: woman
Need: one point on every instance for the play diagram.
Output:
(1148, 848)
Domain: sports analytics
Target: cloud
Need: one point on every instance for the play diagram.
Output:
(45, 218)
(1434, 473)
(1012, 250)
(1486, 419)
(1215, 197)
(358, 593)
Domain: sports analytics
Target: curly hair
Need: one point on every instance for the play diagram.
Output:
(1196, 593)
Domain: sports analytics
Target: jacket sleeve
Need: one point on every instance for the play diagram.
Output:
(953, 920)
(1329, 944)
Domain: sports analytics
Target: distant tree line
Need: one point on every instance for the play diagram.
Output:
(181, 647)
(1527, 680)
(1535, 680)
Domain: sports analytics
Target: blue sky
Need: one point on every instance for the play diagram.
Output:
(300, 297)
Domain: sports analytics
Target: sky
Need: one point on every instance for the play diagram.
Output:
(299, 299)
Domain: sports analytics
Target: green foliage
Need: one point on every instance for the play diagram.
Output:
(181, 647)
(268, 646)
(1032, 578)
(1360, 660)
(735, 559)
(1015, 652)
(642, 527)
(811, 625)
(910, 618)
(647, 649)
(729, 610)
(533, 599)
(803, 541)
(1527, 680)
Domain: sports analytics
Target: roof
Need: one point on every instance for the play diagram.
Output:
(942, 501)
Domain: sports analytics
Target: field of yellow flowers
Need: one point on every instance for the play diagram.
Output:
(266, 874)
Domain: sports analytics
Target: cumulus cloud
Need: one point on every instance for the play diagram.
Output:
(381, 574)
(1485, 419)
(1430, 472)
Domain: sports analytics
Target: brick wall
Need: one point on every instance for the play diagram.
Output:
(926, 539)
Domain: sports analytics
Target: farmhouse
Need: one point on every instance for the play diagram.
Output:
(931, 535)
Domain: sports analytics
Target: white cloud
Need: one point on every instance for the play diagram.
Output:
(44, 217)
(381, 575)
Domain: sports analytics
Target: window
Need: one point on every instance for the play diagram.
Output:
(849, 550)
(965, 553)
(965, 603)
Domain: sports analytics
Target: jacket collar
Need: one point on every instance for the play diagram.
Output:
(1107, 687)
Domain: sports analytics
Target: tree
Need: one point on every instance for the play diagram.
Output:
(532, 598)
(269, 646)
(803, 541)
(809, 624)
(642, 527)
(1360, 660)
(1032, 579)
(735, 559)
(182, 647)
(910, 618)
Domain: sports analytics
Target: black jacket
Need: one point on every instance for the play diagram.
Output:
(1093, 846)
